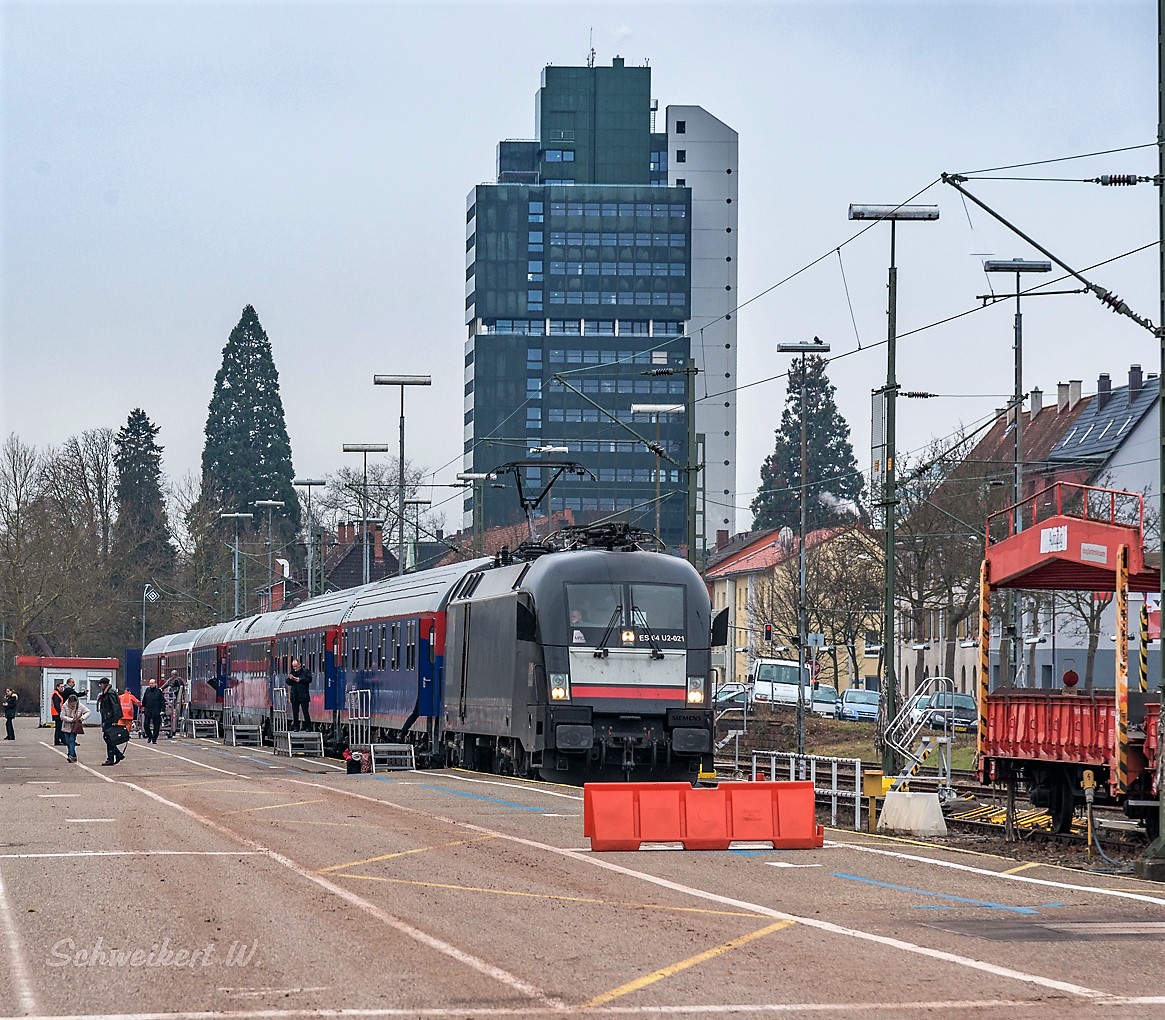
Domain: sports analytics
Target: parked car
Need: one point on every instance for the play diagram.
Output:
(917, 706)
(775, 681)
(857, 705)
(957, 711)
(824, 697)
(733, 695)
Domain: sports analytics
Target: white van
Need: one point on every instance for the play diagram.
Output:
(774, 681)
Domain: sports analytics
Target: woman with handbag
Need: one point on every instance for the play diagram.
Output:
(73, 716)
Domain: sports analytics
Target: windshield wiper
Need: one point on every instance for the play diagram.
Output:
(639, 617)
(601, 651)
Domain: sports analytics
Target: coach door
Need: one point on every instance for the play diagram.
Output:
(330, 667)
(222, 670)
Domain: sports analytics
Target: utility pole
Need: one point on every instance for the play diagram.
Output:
(813, 347)
(270, 505)
(309, 484)
(893, 213)
(236, 518)
(402, 381)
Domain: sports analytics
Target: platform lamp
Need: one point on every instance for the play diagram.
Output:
(804, 348)
(402, 381)
(1017, 266)
(365, 449)
(270, 505)
(892, 213)
(309, 484)
(236, 518)
(655, 410)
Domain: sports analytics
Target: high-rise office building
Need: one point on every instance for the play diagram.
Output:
(604, 252)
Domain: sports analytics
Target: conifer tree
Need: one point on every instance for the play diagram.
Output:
(835, 484)
(142, 533)
(247, 456)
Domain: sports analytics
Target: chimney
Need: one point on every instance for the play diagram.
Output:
(1073, 393)
(1103, 391)
(440, 534)
(1134, 382)
(1037, 402)
(1062, 396)
(378, 542)
(721, 538)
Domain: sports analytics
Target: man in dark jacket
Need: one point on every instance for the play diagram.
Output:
(153, 705)
(109, 706)
(299, 693)
(9, 712)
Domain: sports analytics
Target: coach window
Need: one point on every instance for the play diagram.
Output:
(411, 645)
(368, 648)
(381, 647)
(353, 650)
(395, 646)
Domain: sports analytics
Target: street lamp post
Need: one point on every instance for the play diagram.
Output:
(893, 213)
(366, 449)
(1017, 266)
(309, 484)
(270, 505)
(803, 348)
(236, 518)
(402, 381)
(655, 410)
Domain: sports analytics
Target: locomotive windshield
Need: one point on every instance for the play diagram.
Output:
(653, 611)
(658, 606)
(594, 605)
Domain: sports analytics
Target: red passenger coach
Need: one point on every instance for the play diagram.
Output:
(1075, 538)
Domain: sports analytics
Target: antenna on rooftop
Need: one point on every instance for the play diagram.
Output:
(591, 48)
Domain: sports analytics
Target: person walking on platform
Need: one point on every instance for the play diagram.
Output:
(73, 716)
(153, 705)
(129, 704)
(299, 694)
(55, 703)
(110, 708)
(9, 712)
(176, 694)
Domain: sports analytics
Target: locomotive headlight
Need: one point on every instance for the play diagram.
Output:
(628, 637)
(559, 686)
(695, 690)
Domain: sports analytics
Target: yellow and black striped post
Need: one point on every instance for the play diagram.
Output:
(984, 658)
(904, 779)
(1122, 668)
(1144, 676)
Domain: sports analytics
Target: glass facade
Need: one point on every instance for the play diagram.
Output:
(574, 293)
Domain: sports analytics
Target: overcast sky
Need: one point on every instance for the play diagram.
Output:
(165, 164)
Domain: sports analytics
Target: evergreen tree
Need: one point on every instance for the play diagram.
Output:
(141, 535)
(835, 484)
(247, 456)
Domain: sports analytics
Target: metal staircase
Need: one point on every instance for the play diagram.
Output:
(904, 735)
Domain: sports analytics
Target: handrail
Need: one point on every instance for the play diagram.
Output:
(1114, 507)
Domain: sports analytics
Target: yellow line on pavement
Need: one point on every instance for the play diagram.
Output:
(1022, 867)
(675, 968)
(273, 807)
(401, 853)
(551, 896)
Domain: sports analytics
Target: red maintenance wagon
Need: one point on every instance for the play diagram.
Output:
(1071, 537)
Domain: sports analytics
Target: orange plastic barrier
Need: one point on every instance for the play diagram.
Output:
(621, 816)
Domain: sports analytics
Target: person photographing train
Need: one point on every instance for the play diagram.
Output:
(299, 693)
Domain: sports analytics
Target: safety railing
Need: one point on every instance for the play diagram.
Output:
(280, 709)
(786, 765)
(1067, 499)
(358, 707)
